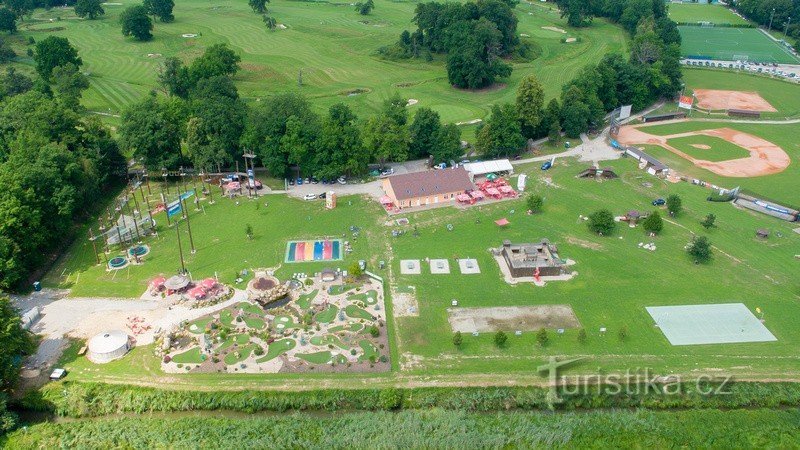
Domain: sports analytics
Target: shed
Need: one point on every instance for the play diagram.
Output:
(327, 275)
(763, 233)
(177, 282)
(108, 346)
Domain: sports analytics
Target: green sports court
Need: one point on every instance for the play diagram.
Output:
(732, 44)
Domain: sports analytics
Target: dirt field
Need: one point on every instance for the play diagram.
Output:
(523, 318)
(765, 158)
(716, 100)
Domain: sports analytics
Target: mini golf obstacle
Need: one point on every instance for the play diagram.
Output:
(319, 250)
(725, 323)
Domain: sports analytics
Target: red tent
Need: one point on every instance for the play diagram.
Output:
(493, 192)
(477, 195)
(158, 282)
(197, 292)
(502, 222)
(208, 283)
(464, 198)
(233, 186)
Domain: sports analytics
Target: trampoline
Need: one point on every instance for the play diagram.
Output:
(118, 262)
(139, 250)
(317, 250)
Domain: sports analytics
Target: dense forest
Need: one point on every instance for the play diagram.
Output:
(775, 13)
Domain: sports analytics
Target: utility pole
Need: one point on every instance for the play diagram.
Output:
(771, 16)
(188, 225)
(94, 245)
(180, 249)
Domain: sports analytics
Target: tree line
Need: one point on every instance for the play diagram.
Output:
(55, 162)
(783, 15)
(475, 37)
(204, 123)
(651, 71)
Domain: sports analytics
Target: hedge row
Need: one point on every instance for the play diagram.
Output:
(75, 399)
(430, 429)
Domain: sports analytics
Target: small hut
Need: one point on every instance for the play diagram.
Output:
(328, 275)
(177, 282)
(763, 233)
(108, 346)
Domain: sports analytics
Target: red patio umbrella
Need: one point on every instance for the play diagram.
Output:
(197, 292)
(158, 282)
(208, 283)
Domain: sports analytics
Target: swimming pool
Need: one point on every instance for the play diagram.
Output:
(317, 250)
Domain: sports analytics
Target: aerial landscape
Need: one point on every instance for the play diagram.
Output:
(386, 224)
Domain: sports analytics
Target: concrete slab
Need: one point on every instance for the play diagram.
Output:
(440, 266)
(469, 266)
(410, 267)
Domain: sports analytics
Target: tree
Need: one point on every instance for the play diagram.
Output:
(458, 339)
(535, 202)
(16, 343)
(364, 8)
(473, 55)
(219, 114)
(674, 204)
(501, 134)
(69, 84)
(542, 338)
(20, 8)
(354, 270)
(700, 249)
(500, 339)
(395, 109)
(162, 9)
(248, 231)
(173, 76)
(423, 133)
(582, 336)
(551, 115)
(258, 6)
(577, 12)
(447, 144)
(708, 221)
(340, 146)
(6, 52)
(622, 334)
(602, 222)
(90, 9)
(574, 112)
(8, 20)
(270, 22)
(554, 135)
(135, 22)
(530, 100)
(653, 223)
(387, 140)
(218, 59)
(13, 83)
(54, 51)
(151, 132)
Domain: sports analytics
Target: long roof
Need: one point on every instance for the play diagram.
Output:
(484, 167)
(430, 182)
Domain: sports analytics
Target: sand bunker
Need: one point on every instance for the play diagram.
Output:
(470, 122)
(701, 146)
(412, 102)
(556, 29)
(189, 35)
(570, 40)
(715, 100)
(522, 318)
(765, 157)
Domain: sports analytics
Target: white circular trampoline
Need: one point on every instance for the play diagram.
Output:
(108, 346)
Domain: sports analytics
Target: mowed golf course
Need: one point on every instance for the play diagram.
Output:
(329, 45)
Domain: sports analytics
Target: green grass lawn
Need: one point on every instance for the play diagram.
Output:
(277, 348)
(191, 356)
(720, 149)
(732, 44)
(782, 95)
(327, 315)
(333, 46)
(691, 13)
(304, 301)
(322, 357)
(357, 313)
(781, 187)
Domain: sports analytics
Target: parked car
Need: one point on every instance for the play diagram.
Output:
(342, 180)
(307, 181)
(314, 180)
(299, 181)
(659, 202)
(58, 374)
(309, 197)
(362, 264)
(464, 161)
(323, 195)
(547, 165)
(440, 166)
(387, 172)
(291, 182)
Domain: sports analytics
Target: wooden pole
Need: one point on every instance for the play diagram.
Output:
(188, 226)
(180, 249)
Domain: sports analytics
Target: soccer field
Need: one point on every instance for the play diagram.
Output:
(690, 13)
(732, 44)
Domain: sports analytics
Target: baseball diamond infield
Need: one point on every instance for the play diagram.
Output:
(715, 100)
(765, 157)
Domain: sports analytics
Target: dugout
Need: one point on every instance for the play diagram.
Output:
(744, 113)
